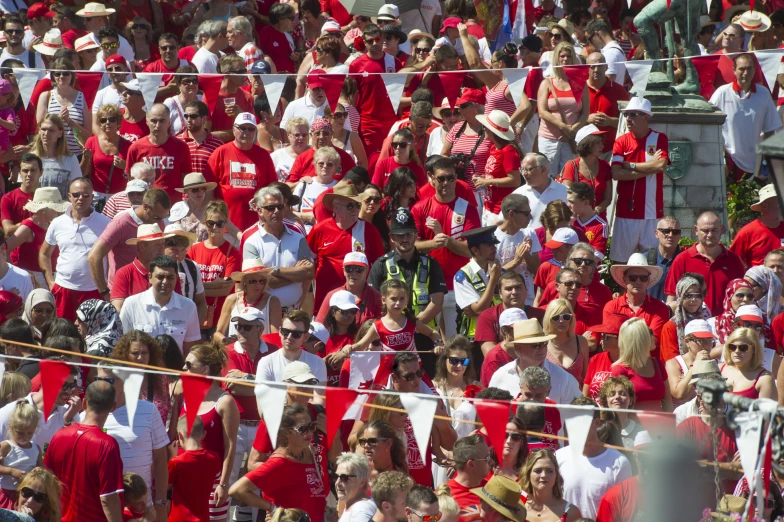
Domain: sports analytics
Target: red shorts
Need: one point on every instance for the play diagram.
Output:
(68, 300)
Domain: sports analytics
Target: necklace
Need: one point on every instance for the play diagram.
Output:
(301, 456)
(245, 303)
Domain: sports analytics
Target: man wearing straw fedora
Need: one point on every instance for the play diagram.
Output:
(96, 15)
(500, 499)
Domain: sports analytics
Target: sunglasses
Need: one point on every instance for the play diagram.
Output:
(14, 31)
(296, 334)
(372, 441)
(188, 116)
(516, 437)
(80, 195)
(210, 223)
(110, 45)
(748, 324)
(411, 376)
(742, 348)
(304, 429)
(272, 208)
(373, 199)
(446, 113)
(556, 36)
(526, 213)
(692, 296)
(165, 48)
(349, 206)
(249, 282)
(427, 518)
(459, 361)
(172, 243)
(339, 115)
(189, 81)
(352, 311)
(635, 278)
(58, 74)
(245, 327)
(189, 365)
(363, 19)
(633, 114)
(580, 261)
(375, 39)
(198, 189)
(445, 179)
(561, 317)
(110, 119)
(38, 497)
(572, 284)
(389, 37)
(423, 50)
(669, 231)
(400, 144)
(344, 477)
(354, 269)
(535, 346)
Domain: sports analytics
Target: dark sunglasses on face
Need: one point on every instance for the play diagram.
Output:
(633, 114)
(189, 365)
(423, 50)
(351, 206)
(352, 311)
(572, 284)
(692, 296)
(742, 348)
(210, 223)
(110, 119)
(389, 37)
(110, 45)
(38, 497)
(526, 213)
(668, 231)
(580, 261)
(296, 334)
(516, 437)
(459, 361)
(748, 324)
(198, 189)
(635, 278)
(339, 115)
(189, 116)
(354, 269)
(561, 317)
(557, 36)
(58, 74)
(411, 376)
(165, 48)
(373, 199)
(245, 327)
(189, 81)
(400, 144)
(375, 39)
(343, 477)
(372, 441)
(272, 208)
(14, 31)
(446, 113)
(80, 195)
(363, 19)
(445, 179)
(304, 429)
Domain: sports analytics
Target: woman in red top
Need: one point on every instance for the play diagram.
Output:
(589, 168)
(743, 358)
(139, 35)
(502, 170)
(646, 374)
(133, 126)
(290, 477)
(220, 416)
(108, 151)
(403, 155)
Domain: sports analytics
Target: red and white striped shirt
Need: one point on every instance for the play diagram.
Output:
(465, 144)
(641, 198)
(200, 152)
(250, 53)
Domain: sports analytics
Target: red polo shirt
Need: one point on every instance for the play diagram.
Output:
(240, 360)
(717, 274)
(606, 100)
(132, 279)
(654, 312)
(590, 302)
(755, 240)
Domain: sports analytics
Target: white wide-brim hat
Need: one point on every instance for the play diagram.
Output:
(46, 197)
(498, 123)
(637, 260)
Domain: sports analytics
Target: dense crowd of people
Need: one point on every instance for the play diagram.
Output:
(279, 210)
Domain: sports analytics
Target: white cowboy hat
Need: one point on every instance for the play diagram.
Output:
(637, 260)
(148, 233)
(195, 180)
(85, 43)
(498, 123)
(249, 266)
(93, 9)
(46, 197)
(765, 193)
(51, 43)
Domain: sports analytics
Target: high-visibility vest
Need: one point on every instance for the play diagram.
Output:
(467, 325)
(420, 290)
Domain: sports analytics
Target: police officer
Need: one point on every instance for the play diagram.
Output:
(420, 272)
(475, 283)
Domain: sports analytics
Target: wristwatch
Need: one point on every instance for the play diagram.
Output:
(162, 502)
(105, 292)
(276, 270)
(633, 166)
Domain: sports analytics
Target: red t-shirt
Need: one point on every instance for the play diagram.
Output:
(216, 263)
(133, 132)
(619, 503)
(25, 256)
(468, 502)
(645, 196)
(290, 484)
(377, 113)
(385, 167)
(487, 329)
(133, 279)
(69, 37)
(599, 184)
(546, 273)
(102, 165)
(171, 161)
(443, 213)
(599, 370)
(329, 244)
(498, 166)
(646, 389)
(87, 462)
(669, 342)
(190, 473)
(494, 359)
(12, 206)
(222, 121)
(755, 240)
(277, 46)
(777, 326)
(25, 126)
(187, 53)
(263, 444)
(239, 174)
(653, 312)
(596, 230)
(606, 100)
(590, 302)
(303, 166)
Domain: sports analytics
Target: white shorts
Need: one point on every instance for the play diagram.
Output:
(558, 152)
(629, 235)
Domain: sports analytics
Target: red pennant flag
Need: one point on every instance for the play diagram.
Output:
(767, 463)
(577, 77)
(333, 84)
(339, 400)
(210, 86)
(707, 68)
(494, 415)
(89, 83)
(451, 82)
(668, 4)
(53, 376)
(194, 389)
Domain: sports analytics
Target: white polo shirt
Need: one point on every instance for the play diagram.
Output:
(305, 108)
(748, 115)
(17, 281)
(271, 367)
(75, 241)
(615, 58)
(538, 201)
(178, 318)
(564, 386)
(46, 429)
(465, 294)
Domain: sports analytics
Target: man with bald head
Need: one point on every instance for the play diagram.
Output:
(709, 258)
(170, 157)
(604, 95)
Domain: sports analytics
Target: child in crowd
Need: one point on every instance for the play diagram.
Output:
(19, 454)
(135, 497)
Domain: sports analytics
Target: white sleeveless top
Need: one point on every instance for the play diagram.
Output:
(238, 310)
(23, 459)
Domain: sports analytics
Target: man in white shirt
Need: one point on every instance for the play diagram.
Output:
(13, 279)
(531, 349)
(14, 28)
(96, 16)
(117, 70)
(518, 248)
(312, 105)
(293, 334)
(160, 311)
(599, 34)
(588, 477)
(539, 188)
(206, 58)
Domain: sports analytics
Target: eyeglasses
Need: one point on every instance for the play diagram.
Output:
(633, 114)
(245, 130)
(251, 282)
(580, 261)
(692, 296)
(373, 199)
(354, 269)
(210, 223)
(189, 81)
(110, 119)
(304, 429)
(423, 50)
(273, 208)
(80, 195)
(110, 380)
(526, 213)
(343, 477)
(427, 518)
(749, 324)
(189, 365)
(556, 36)
(446, 113)
(372, 441)
(635, 278)
(374, 39)
(165, 48)
(459, 361)
(400, 144)
(561, 317)
(516, 437)
(572, 284)
(535, 346)
(245, 327)
(743, 348)
(110, 45)
(445, 179)
(670, 231)
(129, 92)
(198, 189)
(339, 115)
(411, 376)
(38, 497)
(296, 334)
(348, 206)
(58, 74)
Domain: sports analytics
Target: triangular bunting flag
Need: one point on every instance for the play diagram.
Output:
(420, 412)
(271, 400)
(707, 67)
(194, 389)
(53, 376)
(333, 84)
(515, 78)
(132, 387)
(26, 79)
(338, 401)
(578, 420)
(769, 62)
(394, 83)
(451, 82)
(494, 416)
(639, 71)
(210, 86)
(748, 437)
(89, 82)
(709, 4)
(370, 370)
(273, 87)
(577, 75)
(150, 83)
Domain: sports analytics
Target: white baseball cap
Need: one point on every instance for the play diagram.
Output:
(319, 331)
(639, 105)
(586, 131)
(510, 316)
(248, 314)
(699, 328)
(243, 118)
(330, 27)
(137, 185)
(562, 236)
(132, 85)
(298, 372)
(749, 313)
(344, 300)
(355, 259)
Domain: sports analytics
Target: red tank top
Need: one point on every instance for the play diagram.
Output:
(751, 392)
(497, 100)
(213, 428)
(26, 255)
(401, 340)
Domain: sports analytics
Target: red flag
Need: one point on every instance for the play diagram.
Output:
(210, 86)
(333, 84)
(577, 76)
(338, 402)
(194, 389)
(53, 376)
(89, 83)
(766, 465)
(452, 82)
(494, 415)
(707, 69)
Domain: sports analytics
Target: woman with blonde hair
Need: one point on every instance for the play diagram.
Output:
(567, 350)
(344, 138)
(450, 511)
(139, 34)
(68, 104)
(561, 114)
(15, 386)
(352, 476)
(542, 480)
(743, 358)
(39, 495)
(60, 166)
(290, 515)
(647, 374)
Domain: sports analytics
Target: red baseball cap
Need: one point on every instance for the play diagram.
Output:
(38, 10)
(452, 21)
(471, 96)
(116, 59)
(611, 326)
(314, 80)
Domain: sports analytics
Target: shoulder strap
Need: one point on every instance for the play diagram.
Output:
(30, 57)
(461, 130)
(555, 97)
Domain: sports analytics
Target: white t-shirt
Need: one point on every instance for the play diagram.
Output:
(17, 281)
(24, 58)
(46, 429)
(564, 386)
(436, 142)
(616, 58)
(107, 95)
(60, 173)
(586, 480)
(178, 318)
(309, 192)
(305, 108)
(505, 252)
(283, 162)
(361, 511)
(205, 61)
(75, 241)
(421, 18)
(465, 294)
(271, 367)
(538, 201)
(100, 66)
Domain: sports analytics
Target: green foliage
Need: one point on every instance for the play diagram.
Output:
(740, 197)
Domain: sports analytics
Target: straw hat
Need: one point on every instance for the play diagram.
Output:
(702, 367)
(754, 22)
(195, 180)
(93, 9)
(46, 197)
(636, 260)
(417, 34)
(178, 230)
(148, 233)
(85, 43)
(765, 193)
(498, 123)
(51, 43)
(249, 266)
(529, 331)
(728, 506)
(502, 494)
(344, 190)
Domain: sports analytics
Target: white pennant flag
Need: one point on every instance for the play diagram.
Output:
(271, 400)
(2, 368)
(639, 71)
(708, 2)
(748, 437)
(394, 82)
(150, 83)
(515, 78)
(769, 63)
(273, 86)
(26, 79)
(420, 412)
(132, 387)
(578, 420)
